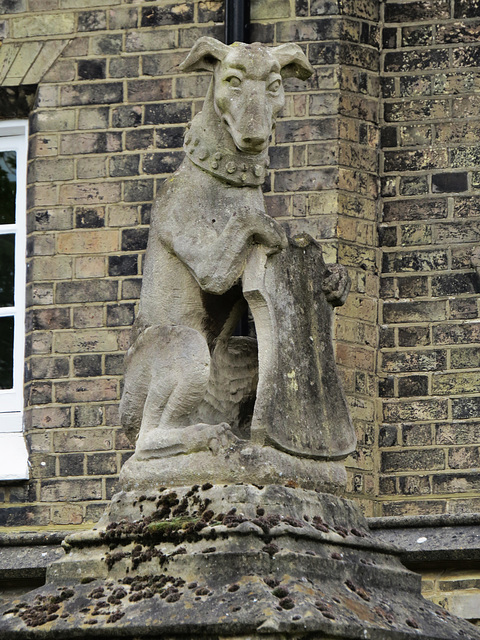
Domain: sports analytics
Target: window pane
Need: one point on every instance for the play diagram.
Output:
(8, 183)
(6, 352)
(7, 262)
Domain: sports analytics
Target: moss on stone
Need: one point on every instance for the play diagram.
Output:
(166, 527)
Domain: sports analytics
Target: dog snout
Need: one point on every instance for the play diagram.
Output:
(254, 141)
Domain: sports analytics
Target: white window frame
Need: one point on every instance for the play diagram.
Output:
(13, 450)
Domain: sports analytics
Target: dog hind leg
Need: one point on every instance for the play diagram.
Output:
(169, 369)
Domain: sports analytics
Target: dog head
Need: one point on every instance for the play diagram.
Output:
(248, 85)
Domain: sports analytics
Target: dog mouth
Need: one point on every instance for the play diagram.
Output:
(249, 143)
(246, 142)
(253, 149)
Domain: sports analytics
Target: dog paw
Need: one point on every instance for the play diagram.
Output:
(214, 446)
(336, 284)
(223, 439)
(185, 440)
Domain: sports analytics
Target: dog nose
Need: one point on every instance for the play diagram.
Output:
(254, 141)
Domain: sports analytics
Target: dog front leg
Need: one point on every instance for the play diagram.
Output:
(218, 262)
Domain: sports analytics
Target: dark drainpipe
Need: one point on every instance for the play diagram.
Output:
(237, 21)
(237, 29)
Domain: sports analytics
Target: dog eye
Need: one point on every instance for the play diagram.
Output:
(274, 86)
(233, 81)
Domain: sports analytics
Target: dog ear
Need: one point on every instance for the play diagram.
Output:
(293, 62)
(204, 55)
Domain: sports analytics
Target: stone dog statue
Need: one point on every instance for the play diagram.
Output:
(190, 384)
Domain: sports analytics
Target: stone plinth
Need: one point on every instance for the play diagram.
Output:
(241, 462)
(235, 561)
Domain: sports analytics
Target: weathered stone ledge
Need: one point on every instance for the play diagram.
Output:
(434, 520)
(32, 539)
(433, 543)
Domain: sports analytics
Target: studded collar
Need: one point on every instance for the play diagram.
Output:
(211, 148)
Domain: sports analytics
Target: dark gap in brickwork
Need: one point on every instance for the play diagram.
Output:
(449, 182)
(17, 102)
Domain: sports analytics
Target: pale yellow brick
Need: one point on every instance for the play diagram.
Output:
(89, 142)
(40, 442)
(91, 167)
(89, 316)
(47, 96)
(268, 9)
(348, 129)
(44, 195)
(90, 193)
(366, 233)
(359, 307)
(149, 40)
(74, 4)
(54, 219)
(371, 284)
(42, 5)
(351, 355)
(62, 71)
(56, 120)
(122, 216)
(323, 203)
(353, 255)
(85, 341)
(43, 25)
(444, 384)
(41, 342)
(43, 245)
(67, 514)
(94, 118)
(8, 54)
(83, 440)
(51, 49)
(51, 268)
(90, 267)
(347, 228)
(362, 409)
(44, 145)
(300, 106)
(88, 241)
(70, 490)
(358, 182)
(346, 329)
(355, 230)
(354, 205)
(49, 170)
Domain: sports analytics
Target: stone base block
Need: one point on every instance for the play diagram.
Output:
(236, 562)
(242, 462)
